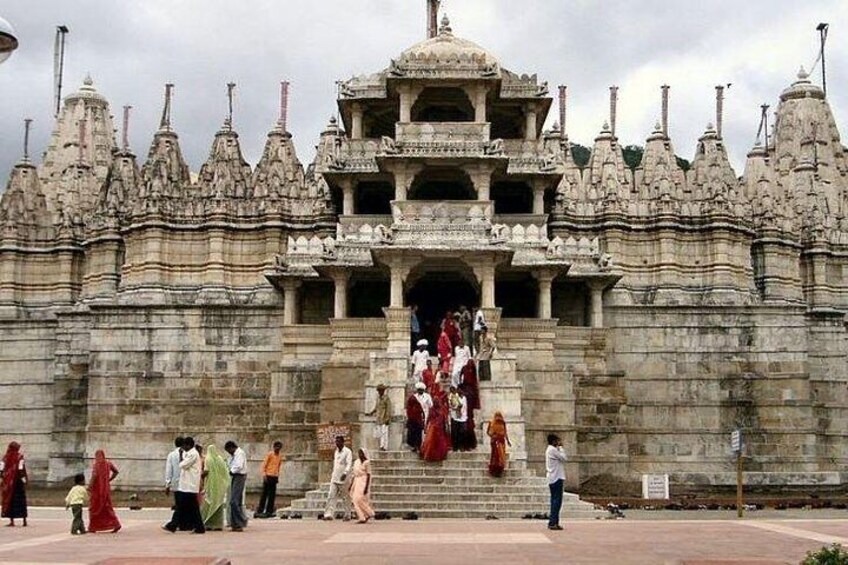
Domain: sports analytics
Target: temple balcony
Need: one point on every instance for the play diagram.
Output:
(442, 132)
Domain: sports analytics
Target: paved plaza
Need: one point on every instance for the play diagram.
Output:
(644, 538)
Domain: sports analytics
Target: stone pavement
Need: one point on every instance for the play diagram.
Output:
(761, 540)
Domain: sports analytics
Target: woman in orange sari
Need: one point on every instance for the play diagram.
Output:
(496, 430)
(101, 515)
(436, 439)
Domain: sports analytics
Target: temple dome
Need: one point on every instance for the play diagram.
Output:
(447, 47)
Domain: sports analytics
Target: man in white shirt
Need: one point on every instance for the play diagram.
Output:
(555, 466)
(461, 356)
(188, 508)
(342, 464)
(479, 322)
(172, 469)
(237, 517)
(419, 360)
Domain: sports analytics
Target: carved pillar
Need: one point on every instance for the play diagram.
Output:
(356, 121)
(597, 311)
(482, 184)
(480, 104)
(347, 197)
(485, 274)
(405, 103)
(290, 305)
(538, 197)
(396, 294)
(530, 126)
(340, 279)
(404, 175)
(545, 280)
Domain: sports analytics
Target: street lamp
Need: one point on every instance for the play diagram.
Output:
(8, 40)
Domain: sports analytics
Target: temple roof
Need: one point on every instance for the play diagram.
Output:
(447, 49)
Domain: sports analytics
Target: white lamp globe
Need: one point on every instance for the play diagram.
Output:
(8, 40)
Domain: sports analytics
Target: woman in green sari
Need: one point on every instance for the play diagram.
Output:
(216, 485)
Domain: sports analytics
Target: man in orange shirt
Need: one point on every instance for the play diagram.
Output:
(270, 477)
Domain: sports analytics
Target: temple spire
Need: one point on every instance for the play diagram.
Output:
(165, 122)
(432, 18)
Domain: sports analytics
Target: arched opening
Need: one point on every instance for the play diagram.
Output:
(517, 293)
(570, 302)
(512, 197)
(368, 294)
(442, 184)
(436, 104)
(437, 291)
(379, 119)
(374, 197)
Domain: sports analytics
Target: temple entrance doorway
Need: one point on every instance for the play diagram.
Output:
(436, 292)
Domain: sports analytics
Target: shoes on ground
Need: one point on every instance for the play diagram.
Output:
(557, 527)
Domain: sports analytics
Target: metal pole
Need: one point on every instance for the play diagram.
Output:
(823, 37)
(665, 88)
(284, 105)
(563, 98)
(739, 502)
(613, 108)
(59, 64)
(125, 140)
(230, 87)
(719, 109)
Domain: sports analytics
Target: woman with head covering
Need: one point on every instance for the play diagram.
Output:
(14, 477)
(217, 485)
(472, 386)
(496, 430)
(360, 487)
(436, 438)
(445, 351)
(101, 515)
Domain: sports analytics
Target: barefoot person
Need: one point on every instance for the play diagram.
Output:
(14, 480)
(101, 514)
(339, 489)
(237, 517)
(216, 484)
(417, 408)
(187, 512)
(360, 487)
(383, 416)
(496, 430)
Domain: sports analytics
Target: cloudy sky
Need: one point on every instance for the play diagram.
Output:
(132, 48)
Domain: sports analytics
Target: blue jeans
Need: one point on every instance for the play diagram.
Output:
(556, 502)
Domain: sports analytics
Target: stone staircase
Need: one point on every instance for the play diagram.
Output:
(458, 487)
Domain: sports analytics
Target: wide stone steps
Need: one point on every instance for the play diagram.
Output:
(458, 487)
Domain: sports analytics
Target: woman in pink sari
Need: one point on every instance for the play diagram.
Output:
(360, 487)
(101, 515)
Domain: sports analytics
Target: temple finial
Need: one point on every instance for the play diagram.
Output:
(719, 119)
(81, 140)
(231, 86)
(284, 105)
(165, 122)
(613, 108)
(432, 18)
(27, 124)
(125, 140)
(445, 27)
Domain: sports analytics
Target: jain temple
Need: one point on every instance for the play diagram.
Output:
(642, 312)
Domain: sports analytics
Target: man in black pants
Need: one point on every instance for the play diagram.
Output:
(555, 467)
(188, 508)
(270, 478)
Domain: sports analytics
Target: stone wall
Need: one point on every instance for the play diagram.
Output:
(27, 349)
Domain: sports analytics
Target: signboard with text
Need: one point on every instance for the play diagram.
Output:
(736, 441)
(655, 487)
(326, 436)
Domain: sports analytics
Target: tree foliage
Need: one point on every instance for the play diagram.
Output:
(833, 555)
(632, 156)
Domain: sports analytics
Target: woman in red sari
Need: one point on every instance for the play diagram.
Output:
(472, 386)
(500, 439)
(444, 347)
(13, 488)
(436, 439)
(101, 515)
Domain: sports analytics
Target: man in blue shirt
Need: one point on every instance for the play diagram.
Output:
(414, 326)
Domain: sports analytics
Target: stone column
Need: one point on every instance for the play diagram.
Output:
(396, 295)
(290, 305)
(340, 279)
(405, 103)
(482, 184)
(486, 277)
(597, 312)
(545, 280)
(530, 126)
(356, 121)
(404, 175)
(347, 197)
(480, 104)
(538, 197)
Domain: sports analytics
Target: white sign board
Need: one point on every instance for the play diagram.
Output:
(655, 487)
(736, 441)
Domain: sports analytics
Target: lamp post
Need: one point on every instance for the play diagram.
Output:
(8, 40)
